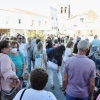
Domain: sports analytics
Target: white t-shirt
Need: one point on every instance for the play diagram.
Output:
(22, 48)
(31, 94)
(67, 53)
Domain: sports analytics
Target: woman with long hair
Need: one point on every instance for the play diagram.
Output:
(54, 63)
(68, 51)
(40, 56)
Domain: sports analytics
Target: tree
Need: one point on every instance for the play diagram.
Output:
(39, 35)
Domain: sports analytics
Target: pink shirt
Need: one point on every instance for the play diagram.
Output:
(98, 98)
(7, 68)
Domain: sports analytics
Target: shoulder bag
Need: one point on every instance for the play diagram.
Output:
(22, 94)
(8, 96)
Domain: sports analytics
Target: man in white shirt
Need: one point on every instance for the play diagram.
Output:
(21, 45)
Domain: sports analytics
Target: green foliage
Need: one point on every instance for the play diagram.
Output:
(39, 35)
(59, 33)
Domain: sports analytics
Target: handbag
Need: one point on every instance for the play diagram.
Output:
(33, 57)
(8, 96)
(54, 60)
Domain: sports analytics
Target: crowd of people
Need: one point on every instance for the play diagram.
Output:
(36, 60)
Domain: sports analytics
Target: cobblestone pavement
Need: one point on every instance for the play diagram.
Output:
(56, 91)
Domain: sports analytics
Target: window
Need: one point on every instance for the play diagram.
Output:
(81, 20)
(19, 21)
(65, 9)
(39, 23)
(32, 23)
(61, 9)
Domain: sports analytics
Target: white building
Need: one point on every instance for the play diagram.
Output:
(54, 22)
(15, 21)
(63, 15)
(85, 25)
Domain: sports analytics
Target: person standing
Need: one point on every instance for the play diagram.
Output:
(53, 66)
(8, 77)
(62, 40)
(56, 44)
(95, 44)
(38, 80)
(21, 45)
(79, 75)
(48, 45)
(40, 56)
(67, 39)
(75, 50)
(59, 39)
(29, 48)
(68, 51)
(19, 61)
(35, 47)
(34, 41)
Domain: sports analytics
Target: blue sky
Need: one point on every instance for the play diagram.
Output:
(77, 6)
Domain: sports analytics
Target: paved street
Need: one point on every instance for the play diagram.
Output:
(56, 91)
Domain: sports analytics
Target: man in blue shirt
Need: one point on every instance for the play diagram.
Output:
(95, 44)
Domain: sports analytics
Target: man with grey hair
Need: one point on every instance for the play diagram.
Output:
(95, 44)
(79, 75)
(29, 48)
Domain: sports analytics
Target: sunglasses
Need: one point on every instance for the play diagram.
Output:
(20, 38)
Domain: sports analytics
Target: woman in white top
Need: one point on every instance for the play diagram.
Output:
(38, 79)
(68, 51)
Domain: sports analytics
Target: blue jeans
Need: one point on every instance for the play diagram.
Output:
(94, 49)
(48, 50)
(68, 97)
(29, 63)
